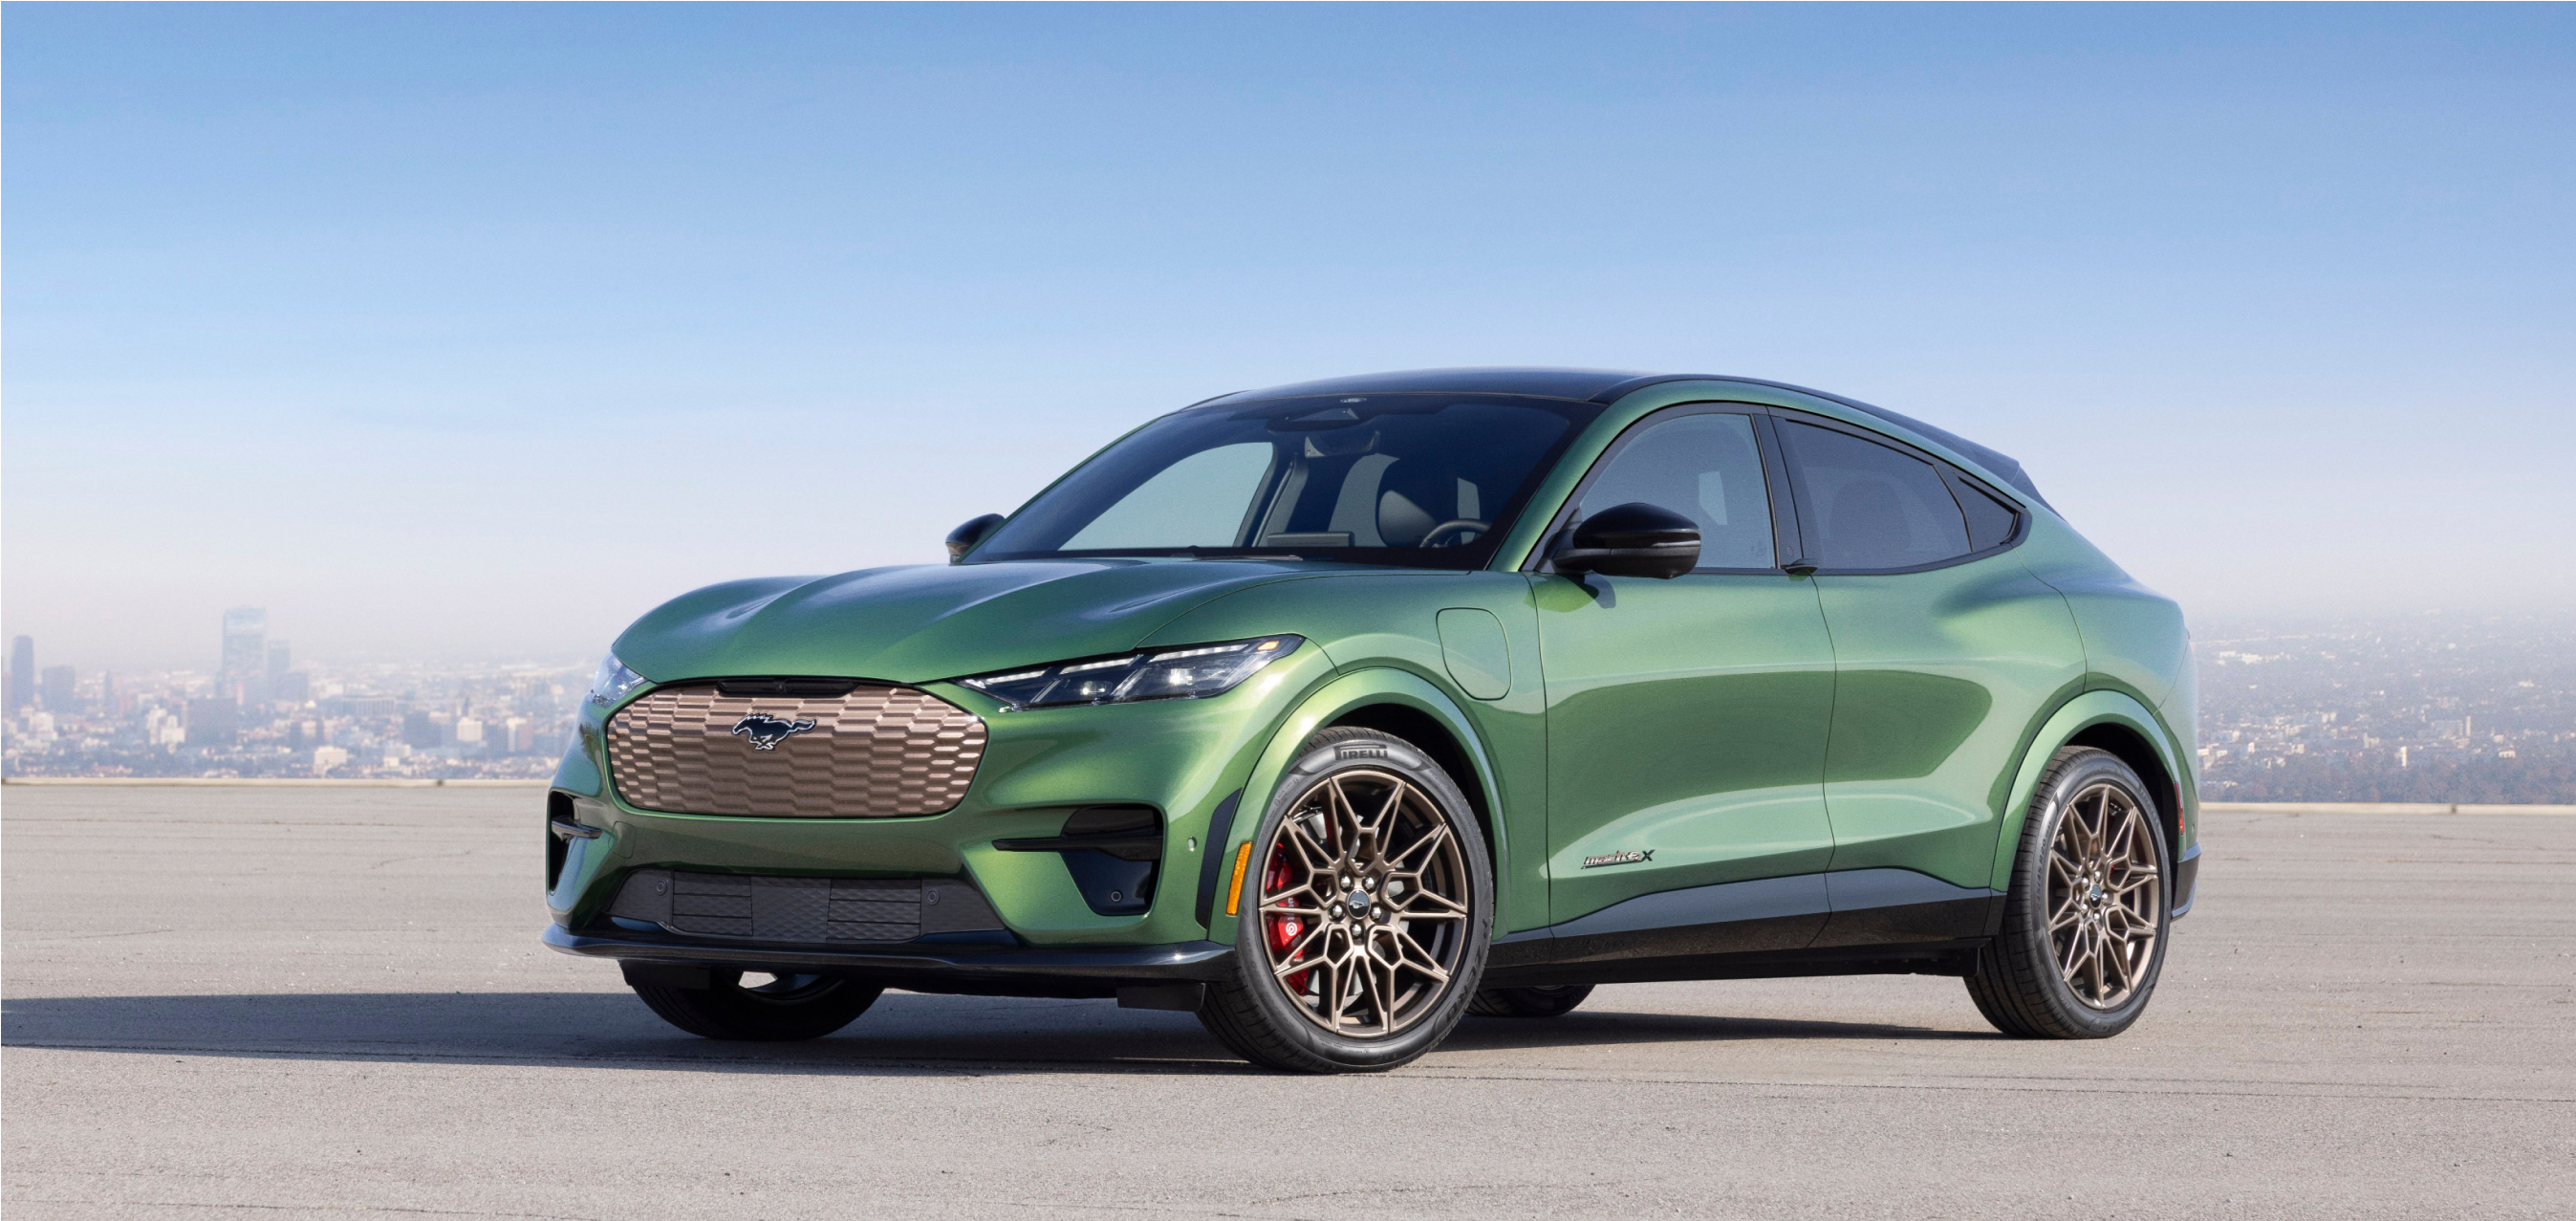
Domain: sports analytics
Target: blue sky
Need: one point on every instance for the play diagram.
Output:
(475, 330)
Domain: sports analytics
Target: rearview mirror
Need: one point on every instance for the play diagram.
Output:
(1632, 540)
(963, 539)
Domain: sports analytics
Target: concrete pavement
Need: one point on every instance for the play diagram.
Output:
(278, 1003)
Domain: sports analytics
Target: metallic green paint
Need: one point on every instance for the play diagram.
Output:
(2073, 717)
(1686, 717)
(1478, 655)
(1401, 687)
(1385, 624)
(918, 624)
(1742, 727)
(1939, 677)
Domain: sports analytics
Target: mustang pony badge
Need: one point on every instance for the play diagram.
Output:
(766, 731)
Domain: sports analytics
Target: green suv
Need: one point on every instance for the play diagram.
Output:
(1335, 712)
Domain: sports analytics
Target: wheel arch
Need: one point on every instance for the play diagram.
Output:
(1392, 701)
(1441, 743)
(2109, 721)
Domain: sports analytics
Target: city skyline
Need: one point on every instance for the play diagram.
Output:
(256, 713)
(2422, 707)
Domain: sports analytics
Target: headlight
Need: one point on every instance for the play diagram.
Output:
(1193, 672)
(613, 681)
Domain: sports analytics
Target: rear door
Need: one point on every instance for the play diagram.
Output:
(1687, 717)
(1947, 654)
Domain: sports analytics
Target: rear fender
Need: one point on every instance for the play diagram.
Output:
(2079, 714)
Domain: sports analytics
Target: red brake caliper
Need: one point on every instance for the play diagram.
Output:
(1284, 930)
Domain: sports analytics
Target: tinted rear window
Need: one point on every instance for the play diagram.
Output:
(1869, 505)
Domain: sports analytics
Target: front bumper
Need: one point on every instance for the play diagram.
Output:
(995, 970)
(1181, 758)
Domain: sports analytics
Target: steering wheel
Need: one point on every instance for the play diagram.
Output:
(1446, 527)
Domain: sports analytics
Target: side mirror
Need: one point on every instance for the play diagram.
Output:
(1632, 540)
(963, 539)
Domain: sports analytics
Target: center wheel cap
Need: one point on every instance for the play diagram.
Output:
(1359, 903)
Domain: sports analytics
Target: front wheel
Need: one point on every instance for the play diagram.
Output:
(2083, 938)
(1365, 913)
(778, 1008)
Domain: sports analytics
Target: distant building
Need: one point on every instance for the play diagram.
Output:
(59, 684)
(22, 672)
(420, 732)
(213, 722)
(245, 657)
(290, 688)
(327, 757)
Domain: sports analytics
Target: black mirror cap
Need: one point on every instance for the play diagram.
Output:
(963, 539)
(1632, 540)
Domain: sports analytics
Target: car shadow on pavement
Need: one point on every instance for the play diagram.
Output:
(902, 1033)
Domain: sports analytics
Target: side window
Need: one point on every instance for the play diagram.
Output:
(1873, 506)
(1990, 521)
(1707, 468)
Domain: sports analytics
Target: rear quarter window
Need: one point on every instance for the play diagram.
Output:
(1868, 505)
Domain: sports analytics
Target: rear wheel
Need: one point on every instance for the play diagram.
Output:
(1529, 1002)
(1367, 910)
(2083, 940)
(760, 1008)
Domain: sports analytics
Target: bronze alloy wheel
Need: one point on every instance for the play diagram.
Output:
(1364, 904)
(2105, 896)
(2081, 940)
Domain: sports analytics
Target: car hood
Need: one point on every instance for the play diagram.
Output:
(922, 622)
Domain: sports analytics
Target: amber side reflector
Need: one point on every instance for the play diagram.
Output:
(1234, 893)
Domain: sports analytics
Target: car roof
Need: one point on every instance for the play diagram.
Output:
(1607, 386)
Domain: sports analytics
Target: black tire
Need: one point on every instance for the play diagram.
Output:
(1548, 1002)
(786, 1009)
(1253, 1015)
(2018, 982)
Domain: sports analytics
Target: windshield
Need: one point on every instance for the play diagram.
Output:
(1422, 480)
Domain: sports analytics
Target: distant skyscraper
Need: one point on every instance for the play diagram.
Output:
(245, 650)
(278, 660)
(22, 672)
(59, 682)
(213, 722)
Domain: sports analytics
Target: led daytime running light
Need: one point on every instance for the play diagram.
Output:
(1194, 672)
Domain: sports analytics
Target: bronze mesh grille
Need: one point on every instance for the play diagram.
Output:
(878, 752)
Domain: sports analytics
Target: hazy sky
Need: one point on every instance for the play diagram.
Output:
(474, 330)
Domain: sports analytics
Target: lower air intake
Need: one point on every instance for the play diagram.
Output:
(808, 910)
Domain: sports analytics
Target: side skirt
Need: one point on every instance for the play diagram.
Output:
(1862, 921)
(1933, 958)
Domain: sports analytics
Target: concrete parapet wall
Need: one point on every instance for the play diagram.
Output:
(2374, 807)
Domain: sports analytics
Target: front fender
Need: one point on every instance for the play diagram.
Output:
(2079, 714)
(1326, 704)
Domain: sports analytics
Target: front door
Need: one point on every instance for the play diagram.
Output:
(1686, 717)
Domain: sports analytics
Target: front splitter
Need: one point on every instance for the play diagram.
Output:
(996, 970)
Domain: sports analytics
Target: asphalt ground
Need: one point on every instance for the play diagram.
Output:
(278, 1003)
